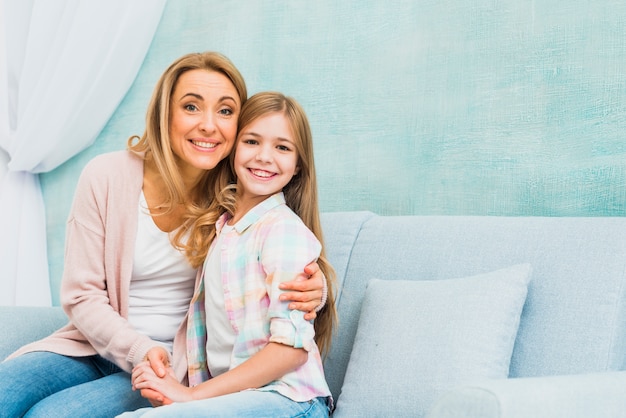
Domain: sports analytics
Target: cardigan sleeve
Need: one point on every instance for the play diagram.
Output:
(98, 264)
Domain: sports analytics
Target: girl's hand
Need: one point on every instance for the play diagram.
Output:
(168, 387)
(305, 291)
(155, 398)
(158, 358)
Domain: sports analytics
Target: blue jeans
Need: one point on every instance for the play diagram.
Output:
(246, 404)
(43, 384)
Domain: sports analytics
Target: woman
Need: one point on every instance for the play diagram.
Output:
(126, 284)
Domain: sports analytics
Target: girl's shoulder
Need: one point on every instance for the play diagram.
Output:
(282, 215)
(286, 240)
(282, 220)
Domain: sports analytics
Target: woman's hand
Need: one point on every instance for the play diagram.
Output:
(158, 358)
(305, 292)
(168, 388)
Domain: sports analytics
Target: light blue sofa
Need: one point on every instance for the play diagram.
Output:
(463, 316)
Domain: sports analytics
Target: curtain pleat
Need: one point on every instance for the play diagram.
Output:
(65, 66)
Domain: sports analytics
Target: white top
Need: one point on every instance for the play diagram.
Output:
(162, 282)
(220, 333)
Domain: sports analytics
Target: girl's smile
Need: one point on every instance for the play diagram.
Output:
(265, 158)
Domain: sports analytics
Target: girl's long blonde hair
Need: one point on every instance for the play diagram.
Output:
(300, 195)
(155, 144)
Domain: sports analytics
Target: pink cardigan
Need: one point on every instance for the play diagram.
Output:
(100, 242)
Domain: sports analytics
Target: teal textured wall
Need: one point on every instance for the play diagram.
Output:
(458, 107)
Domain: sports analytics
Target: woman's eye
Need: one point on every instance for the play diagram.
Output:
(226, 111)
(191, 107)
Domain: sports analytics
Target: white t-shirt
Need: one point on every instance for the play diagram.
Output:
(220, 333)
(162, 282)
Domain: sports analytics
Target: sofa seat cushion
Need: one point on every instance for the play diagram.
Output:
(417, 339)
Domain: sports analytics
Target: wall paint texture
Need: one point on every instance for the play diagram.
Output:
(418, 107)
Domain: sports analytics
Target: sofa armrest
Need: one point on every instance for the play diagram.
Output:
(585, 395)
(20, 325)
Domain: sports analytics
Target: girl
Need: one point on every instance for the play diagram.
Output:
(260, 359)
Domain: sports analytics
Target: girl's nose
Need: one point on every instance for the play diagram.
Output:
(264, 154)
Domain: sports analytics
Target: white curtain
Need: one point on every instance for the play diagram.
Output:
(65, 65)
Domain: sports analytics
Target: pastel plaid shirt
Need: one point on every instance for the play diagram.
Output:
(269, 245)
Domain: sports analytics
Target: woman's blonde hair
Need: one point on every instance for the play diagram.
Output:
(300, 193)
(155, 143)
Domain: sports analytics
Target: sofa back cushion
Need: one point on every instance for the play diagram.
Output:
(20, 325)
(574, 319)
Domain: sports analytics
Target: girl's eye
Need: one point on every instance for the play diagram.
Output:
(283, 148)
(250, 141)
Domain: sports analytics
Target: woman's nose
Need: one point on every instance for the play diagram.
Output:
(207, 123)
